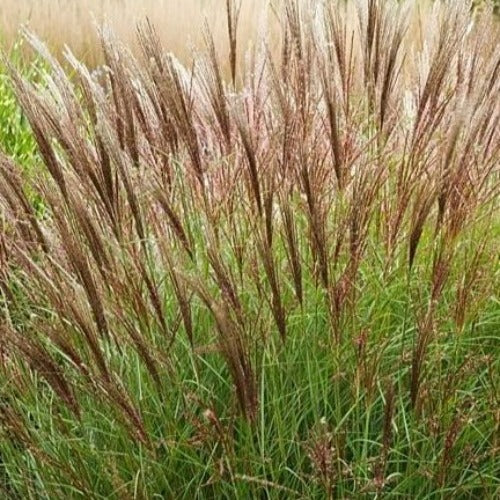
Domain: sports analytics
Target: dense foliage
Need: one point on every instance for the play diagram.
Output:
(277, 284)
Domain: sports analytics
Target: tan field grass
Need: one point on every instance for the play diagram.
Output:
(180, 24)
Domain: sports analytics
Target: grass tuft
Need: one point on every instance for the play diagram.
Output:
(274, 281)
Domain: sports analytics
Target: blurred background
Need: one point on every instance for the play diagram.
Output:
(179, 22)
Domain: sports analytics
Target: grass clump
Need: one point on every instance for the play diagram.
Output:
(277, 285)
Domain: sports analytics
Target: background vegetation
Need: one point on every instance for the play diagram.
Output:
(180, 25)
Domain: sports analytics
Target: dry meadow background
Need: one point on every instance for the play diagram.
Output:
(180, 23)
